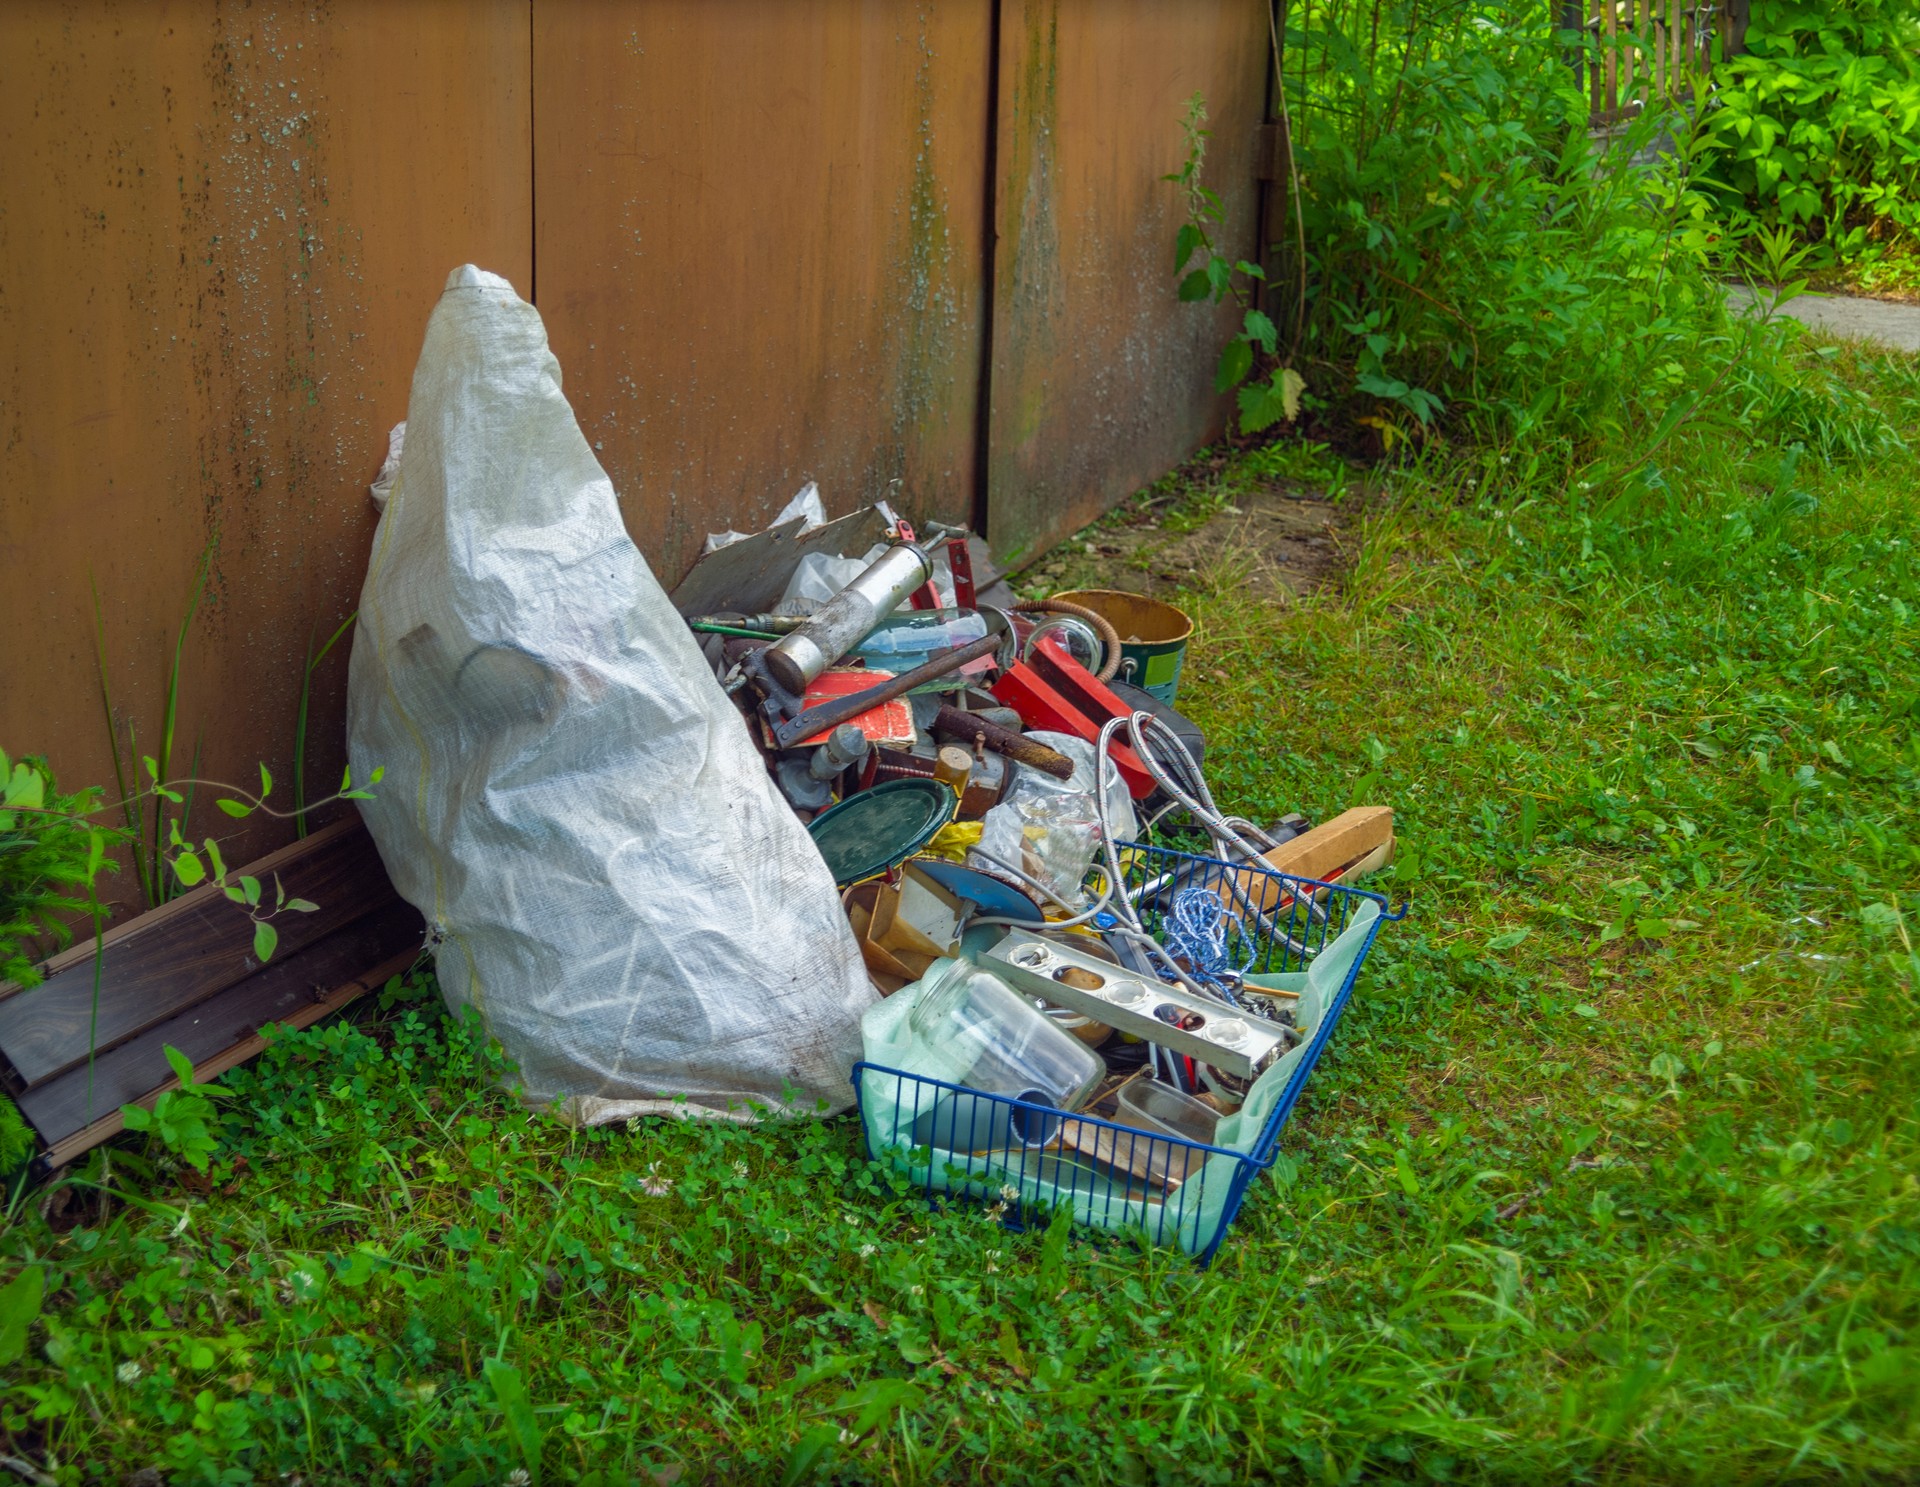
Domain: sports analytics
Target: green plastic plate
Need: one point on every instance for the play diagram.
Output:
(878, 829)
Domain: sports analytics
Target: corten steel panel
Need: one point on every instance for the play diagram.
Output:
(222, 227)
(761, 251)
(1101, 378)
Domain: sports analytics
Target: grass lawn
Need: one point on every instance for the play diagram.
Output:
(1609, 1173)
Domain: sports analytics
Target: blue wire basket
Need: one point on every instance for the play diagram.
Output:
(1292, 947)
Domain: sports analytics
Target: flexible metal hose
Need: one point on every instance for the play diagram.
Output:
(1109, 637)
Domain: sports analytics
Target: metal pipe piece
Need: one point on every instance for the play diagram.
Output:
(848, 617)
(968, 726)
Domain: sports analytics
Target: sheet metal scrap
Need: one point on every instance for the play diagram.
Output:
(751, 574)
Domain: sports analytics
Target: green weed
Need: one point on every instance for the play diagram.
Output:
(1817, 127)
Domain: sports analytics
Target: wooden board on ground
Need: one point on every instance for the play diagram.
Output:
(1348, 836)
(184, 976)
(160, 963)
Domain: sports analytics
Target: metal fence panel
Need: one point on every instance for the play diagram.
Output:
(761, 247)
(221, 231)
(1101, 379)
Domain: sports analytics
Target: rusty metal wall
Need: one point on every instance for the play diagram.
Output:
(760, 232)
(1101, 379)
(222, 226)
(761, 251)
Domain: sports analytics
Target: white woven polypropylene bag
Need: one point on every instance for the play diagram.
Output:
(568, 797)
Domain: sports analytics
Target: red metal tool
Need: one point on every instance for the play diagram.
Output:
(960, 563)
(1054, 692)
(926, 596)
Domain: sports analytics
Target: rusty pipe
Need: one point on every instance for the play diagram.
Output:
(968, 726)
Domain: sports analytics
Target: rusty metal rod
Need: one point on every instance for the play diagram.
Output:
(967, 727)
(829, 715)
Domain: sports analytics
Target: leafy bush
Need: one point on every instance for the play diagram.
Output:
(1461, 260)
(17, 1141)
(1818, 124)
(46, 851)
(1466, 253)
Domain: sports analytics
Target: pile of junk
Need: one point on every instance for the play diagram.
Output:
(827, 822)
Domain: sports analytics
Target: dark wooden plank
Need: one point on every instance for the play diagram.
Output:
(185, 903)
(166, 961)
(224, 1029)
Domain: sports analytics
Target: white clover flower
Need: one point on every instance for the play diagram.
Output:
(128, 1372)
(740, 1169)
(518, 1477)
(868, 1251)
(653, 1184)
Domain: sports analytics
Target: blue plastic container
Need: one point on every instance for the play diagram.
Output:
(1305, 940)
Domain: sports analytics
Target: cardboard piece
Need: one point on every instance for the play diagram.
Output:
(889, 723)
(915, 917)
(750, 575)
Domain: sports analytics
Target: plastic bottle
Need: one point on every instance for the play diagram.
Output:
(920, 634)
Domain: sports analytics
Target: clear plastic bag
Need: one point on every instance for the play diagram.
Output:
(1050, 836)
(1028, 781)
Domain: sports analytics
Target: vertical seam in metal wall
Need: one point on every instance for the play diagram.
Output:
(990, 256)
(533, 174)
(1283, 177)
(1265, 191)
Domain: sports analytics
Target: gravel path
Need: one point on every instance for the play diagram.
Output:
(1846, 315)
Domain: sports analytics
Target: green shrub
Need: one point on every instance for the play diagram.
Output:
(1461, 261)
(1818, 124)
(17, 1140)
(1470, 263)
(47, 850)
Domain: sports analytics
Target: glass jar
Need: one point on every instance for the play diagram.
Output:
(1003, 1045)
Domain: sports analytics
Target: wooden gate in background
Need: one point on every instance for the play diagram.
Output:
(1637, 51)
(922, 252)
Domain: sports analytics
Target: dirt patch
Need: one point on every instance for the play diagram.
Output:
(1269, 543)
(1895, 279)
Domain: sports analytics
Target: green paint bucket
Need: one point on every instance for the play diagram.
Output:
(1153, 637)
